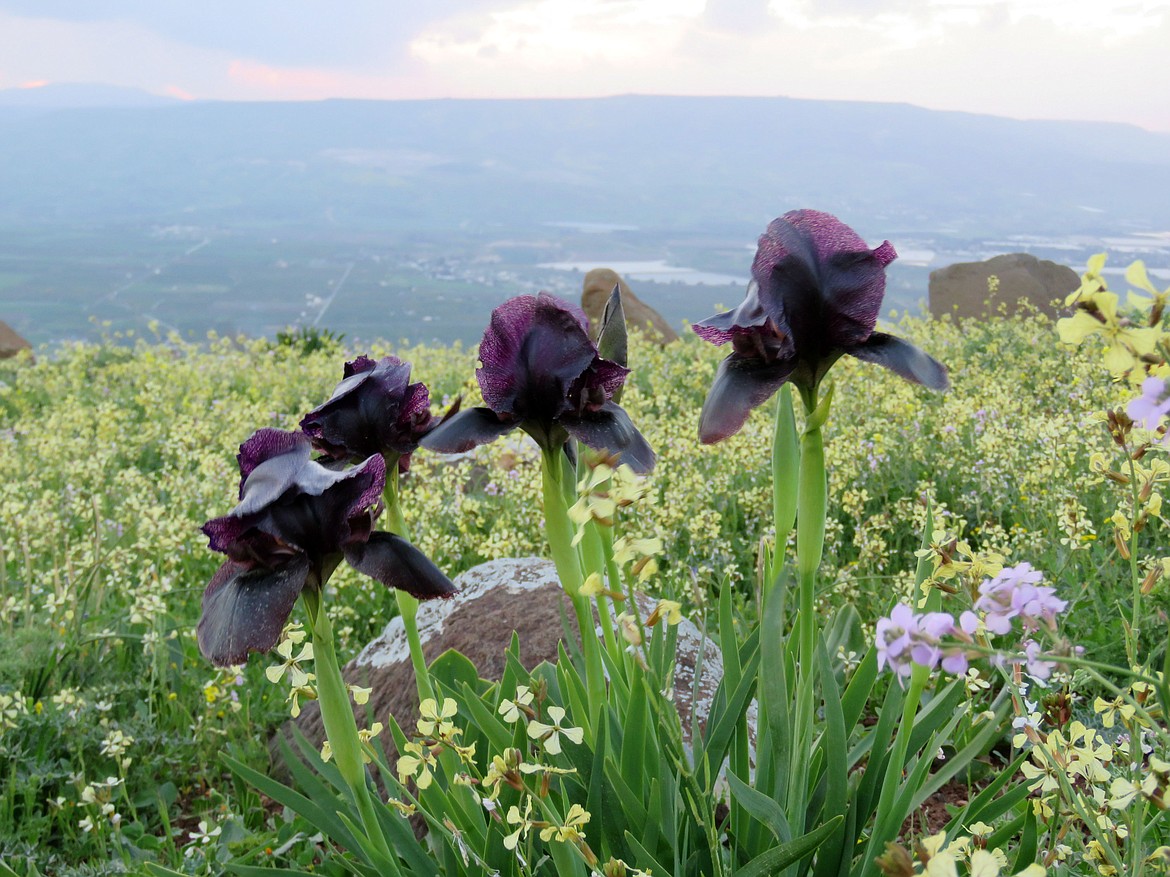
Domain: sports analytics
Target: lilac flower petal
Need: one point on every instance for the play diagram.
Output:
(1152, 405)
(465, 430)
(739, 386)
(532, 351)
(904, 359)
(611, 429)
(396, 563)
(245, 610)
(955, 662)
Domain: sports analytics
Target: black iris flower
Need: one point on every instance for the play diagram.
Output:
(815, 294)
(374, 410)
(540, 372)
(295, 522)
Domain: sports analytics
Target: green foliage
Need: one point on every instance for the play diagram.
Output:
(111, 457)
(306, 340)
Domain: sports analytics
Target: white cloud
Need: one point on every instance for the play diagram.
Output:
(564, 35)
(1029, 58)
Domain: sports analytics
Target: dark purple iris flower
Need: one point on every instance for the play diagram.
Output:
(296, 521)
(815, 294)
(540, 372)
(374, 410)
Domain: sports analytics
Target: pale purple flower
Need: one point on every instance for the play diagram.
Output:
(1002, 598)
(893, 639)
(1034, 665)
(1152, 405)
(926, 650)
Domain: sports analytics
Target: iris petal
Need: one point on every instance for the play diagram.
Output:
(244, 609)
(465, 430)
(740, 385)
(374, 410)
(532, 350)
(396, 563)
(904, 359)
(610, 428)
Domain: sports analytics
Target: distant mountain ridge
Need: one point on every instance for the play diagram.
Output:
(78, 95)
(725, 164)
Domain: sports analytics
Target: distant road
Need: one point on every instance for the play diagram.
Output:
(336, 289)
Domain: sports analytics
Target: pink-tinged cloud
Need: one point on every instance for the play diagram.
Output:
(34, 83)
(180, 93)
(317, 83)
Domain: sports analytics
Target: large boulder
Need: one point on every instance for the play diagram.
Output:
(598, 287)
(962, 289)
(497, 598)
(10, 342)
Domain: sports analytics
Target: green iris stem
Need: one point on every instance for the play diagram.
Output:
(337, 716)
(785, 476)
(407, 605)
(593, 552)
(812, 501)
(1132, 639)
(559, 529)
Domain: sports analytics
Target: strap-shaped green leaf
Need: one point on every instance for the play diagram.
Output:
(778, 858)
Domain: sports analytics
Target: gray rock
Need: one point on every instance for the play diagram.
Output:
(497, 598)
(962, 289)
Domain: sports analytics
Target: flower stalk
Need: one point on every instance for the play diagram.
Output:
(337, 717)
(785, 473)
(407, 605)
(812, 500)
(559, 528)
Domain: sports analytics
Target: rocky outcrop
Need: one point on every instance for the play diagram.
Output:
(962, 289)
(598, 286)
(497, 598)
(10, 342)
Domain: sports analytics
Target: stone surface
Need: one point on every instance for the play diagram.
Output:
(961, 289)
(598, 286)
(10, 342)
(496, 598)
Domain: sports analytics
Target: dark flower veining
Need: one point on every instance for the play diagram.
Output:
(374, 410)
(815, 295)
(540, 372)
(295, 522)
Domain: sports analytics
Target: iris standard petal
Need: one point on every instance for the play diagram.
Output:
(532, 351)
(396, 563)
(263, 445)
(467, 429)
(374, 410)
(822, 277)
(320, 524)
(610, 429)
(904, 359)
(244, 610)
(740, 385)
(294, 499)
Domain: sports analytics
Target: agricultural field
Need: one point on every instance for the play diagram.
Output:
(113, 726)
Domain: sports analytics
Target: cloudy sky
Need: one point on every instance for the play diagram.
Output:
(1069, 59)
